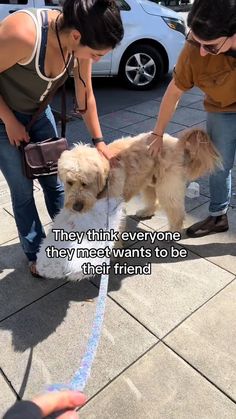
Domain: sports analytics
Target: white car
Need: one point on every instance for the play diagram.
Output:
(10, 6)
(154, 36)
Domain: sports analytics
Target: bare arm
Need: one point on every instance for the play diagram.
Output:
(14, 38)
(90, 117)
(168, 106)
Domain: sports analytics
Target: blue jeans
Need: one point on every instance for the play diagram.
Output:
(222, 129)
(29, 226)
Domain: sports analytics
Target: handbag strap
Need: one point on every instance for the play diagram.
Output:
(46, 102)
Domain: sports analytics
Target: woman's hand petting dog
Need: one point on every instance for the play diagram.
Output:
(108, 154)
(155, 143)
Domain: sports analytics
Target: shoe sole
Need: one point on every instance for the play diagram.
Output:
(216, 230)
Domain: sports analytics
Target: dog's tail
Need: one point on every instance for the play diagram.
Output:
(200, 155)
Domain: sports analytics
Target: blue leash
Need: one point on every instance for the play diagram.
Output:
(81, 376)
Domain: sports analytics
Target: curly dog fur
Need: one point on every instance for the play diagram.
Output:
(162, 180)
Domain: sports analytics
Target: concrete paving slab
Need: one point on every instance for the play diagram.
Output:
(172, 288)
(41, 207)
(4, 192)
(149, 108)
(112, 134)
(159, 386)
(197, 105)
(148, 125)
(121, 119)
(208, 339)
(194, 91)
(132, 224)
(1, 177)
(17, 286)
(7, 397)
(159, 220)
(188, 117)
(77, 131)
(188, 100)
(5, 197)
(45, 341)
(200, 125)
(219, 248)
(8, 229)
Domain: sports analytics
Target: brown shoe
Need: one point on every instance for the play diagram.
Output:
(209, 225)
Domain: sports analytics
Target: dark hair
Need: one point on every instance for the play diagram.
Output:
(98, 21)
(211, 19)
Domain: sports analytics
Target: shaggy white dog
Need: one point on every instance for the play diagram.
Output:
(63, 255)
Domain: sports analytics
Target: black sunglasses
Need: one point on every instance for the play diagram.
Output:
(211, 49)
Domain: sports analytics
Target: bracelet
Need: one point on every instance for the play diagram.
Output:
(97, 140)
(157, 135)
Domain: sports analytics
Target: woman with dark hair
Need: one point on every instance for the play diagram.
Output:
(208, 61)
(36, 47)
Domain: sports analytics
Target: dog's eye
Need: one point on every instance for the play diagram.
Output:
(83, 184)
(69, 182)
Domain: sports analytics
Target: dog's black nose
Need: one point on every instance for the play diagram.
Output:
(78, 206)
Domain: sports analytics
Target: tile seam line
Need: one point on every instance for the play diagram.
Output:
(161, 339)
(205, 258)
(32, 302)
(125, 126)
(122, 372)
(196, 309)
(200, 373)
(9, 384)
(145, 353)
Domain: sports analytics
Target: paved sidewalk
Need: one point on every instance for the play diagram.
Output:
(168, 343)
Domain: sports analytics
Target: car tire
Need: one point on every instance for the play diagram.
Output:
(141, 67)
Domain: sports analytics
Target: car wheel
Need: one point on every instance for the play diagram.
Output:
(141, 67)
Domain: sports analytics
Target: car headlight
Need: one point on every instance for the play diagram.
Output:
(175, 24)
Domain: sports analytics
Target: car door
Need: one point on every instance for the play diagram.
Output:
(103, 66)
(9, 6)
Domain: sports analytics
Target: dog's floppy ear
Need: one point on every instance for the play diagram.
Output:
(200, 155)
(192, 140)
(101, 184)
(100, 181)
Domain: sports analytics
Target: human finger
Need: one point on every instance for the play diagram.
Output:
(69, 415)
(53, 402)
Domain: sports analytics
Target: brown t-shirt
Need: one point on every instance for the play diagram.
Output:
(215, 75)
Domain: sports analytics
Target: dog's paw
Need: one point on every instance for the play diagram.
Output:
(145, 213)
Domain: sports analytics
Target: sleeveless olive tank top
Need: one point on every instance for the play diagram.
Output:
(24, 86)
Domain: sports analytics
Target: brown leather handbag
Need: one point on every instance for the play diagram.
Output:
(41, 158)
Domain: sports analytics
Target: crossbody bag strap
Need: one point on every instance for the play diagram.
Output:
(46, 102)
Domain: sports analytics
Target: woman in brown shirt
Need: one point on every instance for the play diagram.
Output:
(208, 61)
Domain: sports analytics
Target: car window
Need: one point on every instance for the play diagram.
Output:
(53, 2)
(14, 2)
(123, 5)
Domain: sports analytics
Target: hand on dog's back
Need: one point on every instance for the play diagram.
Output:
(110, 155)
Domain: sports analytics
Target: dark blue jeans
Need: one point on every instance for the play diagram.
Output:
(28, 223)
(221, 126)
